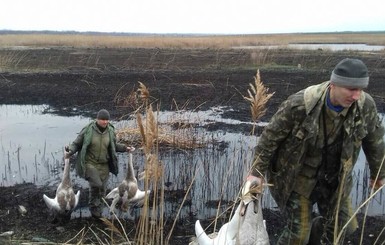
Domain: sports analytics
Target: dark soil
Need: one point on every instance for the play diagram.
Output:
(81, 81)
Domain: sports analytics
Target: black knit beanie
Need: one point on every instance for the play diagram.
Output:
(351, 73)
(103, 114)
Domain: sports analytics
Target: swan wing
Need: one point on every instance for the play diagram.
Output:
(113, 193)
(139, 196)
(51, 203)
(202, 237)
(233, 225)
(77, 197)
(226, 235)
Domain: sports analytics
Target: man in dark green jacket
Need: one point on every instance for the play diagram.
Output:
(309, 149)
(96, 146)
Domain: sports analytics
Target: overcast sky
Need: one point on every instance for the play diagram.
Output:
(194, 16)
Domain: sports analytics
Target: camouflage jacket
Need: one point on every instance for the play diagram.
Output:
(283, 144)
(83, 140)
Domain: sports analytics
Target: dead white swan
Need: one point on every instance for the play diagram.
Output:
(65, 200)
(246, 227)
(128, 191)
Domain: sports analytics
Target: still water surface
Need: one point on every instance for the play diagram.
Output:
(32, 141)
(325, 46)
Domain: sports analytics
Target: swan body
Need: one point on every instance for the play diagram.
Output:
(127, 192)
(246, 227)
(226, 235)
(65, 200)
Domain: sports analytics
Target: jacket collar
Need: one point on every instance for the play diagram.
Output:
(313, 95)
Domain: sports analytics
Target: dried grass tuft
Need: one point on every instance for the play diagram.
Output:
(144, 94)
(164, 136)
(258, 96)
(129, 100)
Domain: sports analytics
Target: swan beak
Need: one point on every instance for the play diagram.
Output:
(250, 188)
(244, 203)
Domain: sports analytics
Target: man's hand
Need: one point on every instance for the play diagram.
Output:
(251, 188)
(254, 179)
(67, 152)
(376, 184)
(130, 149)
(253, 183)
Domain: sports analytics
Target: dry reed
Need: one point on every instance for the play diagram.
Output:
(150, 229)
(258, 96)
(183, 41)
(373, 192)
(149, 132)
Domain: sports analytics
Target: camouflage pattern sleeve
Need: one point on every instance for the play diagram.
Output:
(275, 132)
(373, 143)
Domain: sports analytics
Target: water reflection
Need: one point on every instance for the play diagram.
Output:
(32, 143)
(32, 151)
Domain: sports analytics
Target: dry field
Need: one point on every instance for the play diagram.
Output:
(120, 40)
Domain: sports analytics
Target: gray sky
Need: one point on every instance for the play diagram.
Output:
(194, 16)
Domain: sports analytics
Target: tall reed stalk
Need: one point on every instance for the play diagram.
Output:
(373, 192)
(151, 223)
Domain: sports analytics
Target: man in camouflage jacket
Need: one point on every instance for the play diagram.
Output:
(96, 146)
(308, 151)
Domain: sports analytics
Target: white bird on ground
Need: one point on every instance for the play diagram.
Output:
(246, 227)
(65, 200)
(128, 191)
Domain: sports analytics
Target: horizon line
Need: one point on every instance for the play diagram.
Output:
(9, 31)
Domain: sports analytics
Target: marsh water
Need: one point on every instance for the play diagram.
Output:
(323, 46)
(32, 140)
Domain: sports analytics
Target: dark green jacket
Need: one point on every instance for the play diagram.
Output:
(82, 142)
(283, 144)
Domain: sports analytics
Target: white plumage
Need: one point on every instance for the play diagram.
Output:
(246, 227)
(128, 191)
(65, 200)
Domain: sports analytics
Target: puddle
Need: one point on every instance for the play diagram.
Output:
(32, 151)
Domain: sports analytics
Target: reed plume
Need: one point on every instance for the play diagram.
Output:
(144, 94)
(258, 96)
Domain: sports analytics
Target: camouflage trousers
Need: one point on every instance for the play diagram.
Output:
(97, 177)
(300, 228)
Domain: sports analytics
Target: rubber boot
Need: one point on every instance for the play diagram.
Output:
(317, 229)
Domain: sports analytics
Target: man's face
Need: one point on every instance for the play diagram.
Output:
(343, 96)
(102, 123)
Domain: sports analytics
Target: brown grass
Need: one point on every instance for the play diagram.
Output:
(184, 41)
(176, 134)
